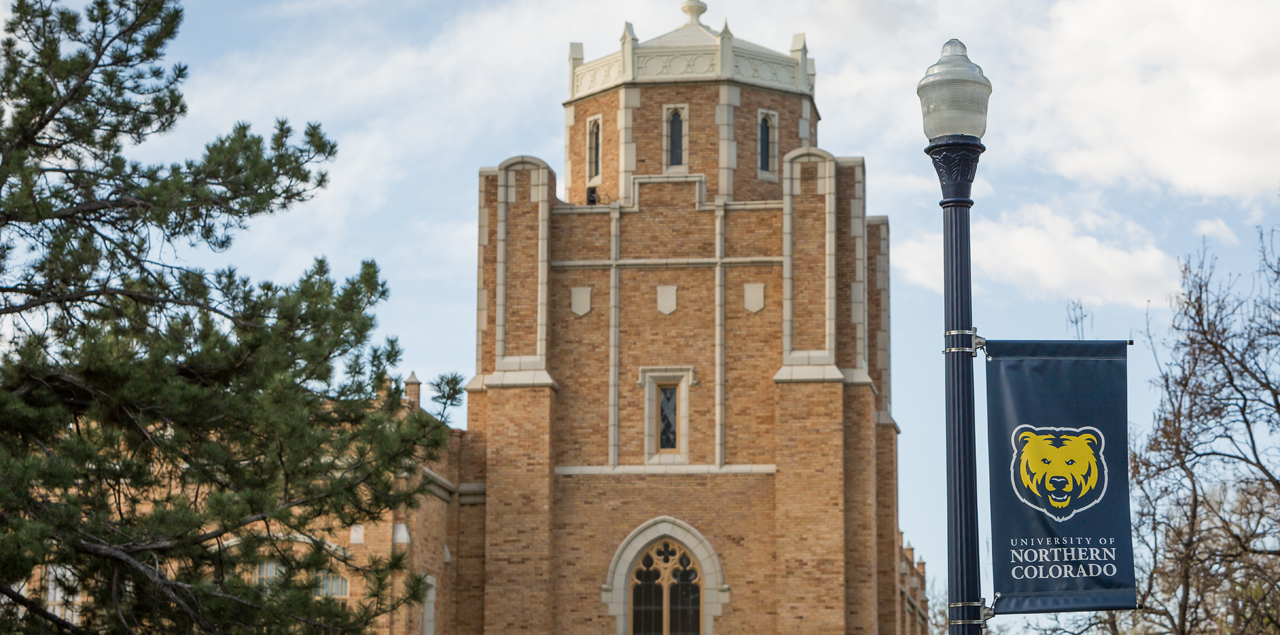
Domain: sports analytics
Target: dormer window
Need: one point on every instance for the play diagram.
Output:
(675, 139)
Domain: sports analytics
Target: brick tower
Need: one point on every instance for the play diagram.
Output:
(680, 420)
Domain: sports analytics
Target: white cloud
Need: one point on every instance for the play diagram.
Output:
(1216, 228)
(919, 258)
(1171, 93)
(1096, 257)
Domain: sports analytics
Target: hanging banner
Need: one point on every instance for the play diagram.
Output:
(1058, 435)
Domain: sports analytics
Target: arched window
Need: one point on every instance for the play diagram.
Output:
(764, 143)
(593, 150)
(666, 592)
(675, 132)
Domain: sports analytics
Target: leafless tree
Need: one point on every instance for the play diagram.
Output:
(1206, 480)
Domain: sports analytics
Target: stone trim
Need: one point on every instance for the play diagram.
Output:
(471, 494)
(753, 296)
(439, 486)
(598, 470)
(650, 377)
(659, 263)
(628, 102)
(820, 363)
(730, 100)
(886, 419)
(616, 589)
(700, 180)
(806, 114)
(719, 331)
(428, 626)
(569, 119)
(858, 230)
(580, 300)
(882, 359)
(482, 294)
(615, 321)
(753, 206)
(667, 110)
(400, 534)
(564, 208)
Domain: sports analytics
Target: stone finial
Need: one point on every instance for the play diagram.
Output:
(799, 45)
(695, 9)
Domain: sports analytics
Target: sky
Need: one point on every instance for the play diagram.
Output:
(1122, 138)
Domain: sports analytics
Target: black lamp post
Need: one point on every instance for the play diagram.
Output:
(953, 97)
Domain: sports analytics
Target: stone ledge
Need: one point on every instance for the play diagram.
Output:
(520, 379)
(600, 470)
(808, 374)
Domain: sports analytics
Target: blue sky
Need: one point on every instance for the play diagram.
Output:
(1121, 138)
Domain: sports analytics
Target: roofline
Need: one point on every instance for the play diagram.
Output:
(695, 82)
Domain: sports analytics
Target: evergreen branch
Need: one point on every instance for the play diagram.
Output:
(37, 609)
(105, 292)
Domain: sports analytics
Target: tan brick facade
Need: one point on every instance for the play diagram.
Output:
(760, 297)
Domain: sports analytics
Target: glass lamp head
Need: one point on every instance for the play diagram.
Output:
(954, 94)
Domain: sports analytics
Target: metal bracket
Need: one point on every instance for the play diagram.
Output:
(988, 612)
(978, 343)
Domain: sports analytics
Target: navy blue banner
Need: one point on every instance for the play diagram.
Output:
(1058, 434)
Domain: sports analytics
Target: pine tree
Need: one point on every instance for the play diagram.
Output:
(166, 430)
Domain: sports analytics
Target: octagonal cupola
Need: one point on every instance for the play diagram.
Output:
(693, 52)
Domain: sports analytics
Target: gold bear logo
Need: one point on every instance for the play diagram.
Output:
(1059, 471)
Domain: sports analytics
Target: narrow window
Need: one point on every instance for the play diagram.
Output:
(668, 418)
(593, 150)
(764, 143)
(666, 592)
(676, 136)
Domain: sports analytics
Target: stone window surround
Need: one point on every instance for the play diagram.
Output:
(597, 120)
(667, 109)
(650, 378)
(615, 592)
(772, 173)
